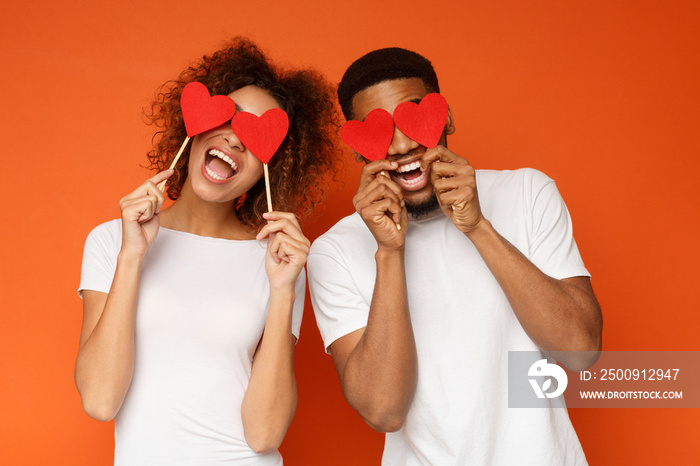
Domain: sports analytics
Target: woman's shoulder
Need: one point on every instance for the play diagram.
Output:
(106, 234)
(107, 229)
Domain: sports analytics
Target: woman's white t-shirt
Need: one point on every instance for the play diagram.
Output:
(201, 311)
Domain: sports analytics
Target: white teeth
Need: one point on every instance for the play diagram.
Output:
(224, 157)
(414, 181)
(408, 167)
(212, 174)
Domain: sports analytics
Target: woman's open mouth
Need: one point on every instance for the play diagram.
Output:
(218, 166)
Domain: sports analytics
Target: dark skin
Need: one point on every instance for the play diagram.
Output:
(377, 364)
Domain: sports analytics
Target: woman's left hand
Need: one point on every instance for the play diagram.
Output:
(287, 249)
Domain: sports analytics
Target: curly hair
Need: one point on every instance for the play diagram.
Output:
(308, 152)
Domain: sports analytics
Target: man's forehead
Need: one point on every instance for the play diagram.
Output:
(387, 95)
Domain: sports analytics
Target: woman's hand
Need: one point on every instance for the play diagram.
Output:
(287, 249)
(141, 215)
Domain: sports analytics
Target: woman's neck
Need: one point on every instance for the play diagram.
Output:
(193, 215)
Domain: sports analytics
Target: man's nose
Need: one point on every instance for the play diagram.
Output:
(401, 144)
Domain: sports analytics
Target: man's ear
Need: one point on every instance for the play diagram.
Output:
(359, 158)
(449, 124)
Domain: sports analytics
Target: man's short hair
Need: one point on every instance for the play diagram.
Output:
(381, 65)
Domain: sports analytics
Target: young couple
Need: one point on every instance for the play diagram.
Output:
(191, 313)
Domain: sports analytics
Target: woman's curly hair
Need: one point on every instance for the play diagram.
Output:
(308, 152)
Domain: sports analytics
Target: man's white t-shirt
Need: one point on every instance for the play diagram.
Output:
(462, 322)
(201, 311)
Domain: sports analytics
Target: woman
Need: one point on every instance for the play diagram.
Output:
(190, 319)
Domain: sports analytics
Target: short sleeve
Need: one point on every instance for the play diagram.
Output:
(298, 309)
(338, 305)
(552, 246)
(100, 257)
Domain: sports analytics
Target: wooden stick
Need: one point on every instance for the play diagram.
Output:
(267, 189)
(161, 186)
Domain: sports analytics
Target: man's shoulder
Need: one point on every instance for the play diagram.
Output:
(501, 190)
(522, 177)
(347, 232)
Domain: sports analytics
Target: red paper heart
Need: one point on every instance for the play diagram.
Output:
(261, 135)
(370, 138)
(203, 112)
(423, 122)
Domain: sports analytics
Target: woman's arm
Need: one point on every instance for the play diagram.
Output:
(271, 398)
(105, 361)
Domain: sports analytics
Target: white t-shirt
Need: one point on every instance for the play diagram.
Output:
(462, 322)
(201, 311)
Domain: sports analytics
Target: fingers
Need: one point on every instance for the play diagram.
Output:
(457, 198)
(149, 186)
(285, 222)
(379, 189)
(440, 153)
(446, 176)
(381, 197)
(140, 209)
(283, 247)
(286, 241)
(448, 169)
(457, 190)
(161, 176)
(449, 172)
(373, 170)
(145, 201)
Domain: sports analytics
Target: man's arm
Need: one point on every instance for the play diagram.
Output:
(377, 364)
(558, 315)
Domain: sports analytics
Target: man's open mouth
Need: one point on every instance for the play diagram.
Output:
(410, 177)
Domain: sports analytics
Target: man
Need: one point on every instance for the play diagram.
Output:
(420, 295)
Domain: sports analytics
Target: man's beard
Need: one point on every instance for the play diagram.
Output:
(424, 208)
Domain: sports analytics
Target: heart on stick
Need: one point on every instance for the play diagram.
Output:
(261, 135)
(423, 122)
(203, 112)
(372, 137)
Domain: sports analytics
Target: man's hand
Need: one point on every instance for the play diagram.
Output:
(379, 201)
(454, 181)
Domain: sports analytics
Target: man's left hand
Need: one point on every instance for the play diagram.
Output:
(454, 181)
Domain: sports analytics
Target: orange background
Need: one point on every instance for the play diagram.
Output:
(603, 96)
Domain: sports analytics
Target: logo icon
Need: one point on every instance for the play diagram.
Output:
(542, 368)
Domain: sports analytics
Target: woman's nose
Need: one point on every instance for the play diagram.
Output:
(233, 141)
